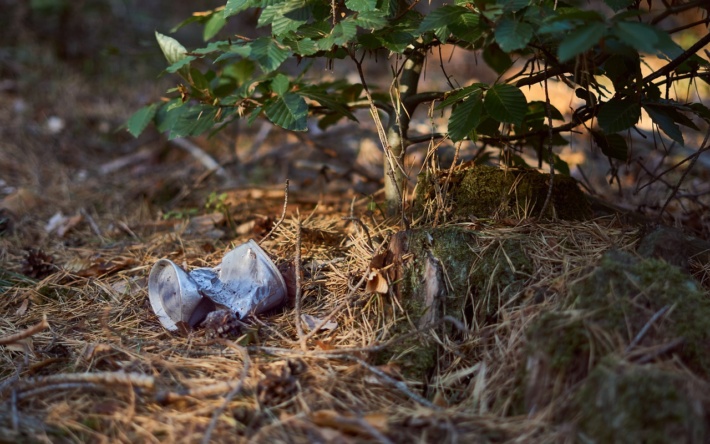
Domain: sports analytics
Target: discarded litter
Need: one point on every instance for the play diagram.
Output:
(246, 282)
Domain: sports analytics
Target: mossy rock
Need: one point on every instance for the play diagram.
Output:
(561, 347)
(485, 192)
(452, 271)
(674, 246)
(602, 316)
(622, 403)
(624, 292)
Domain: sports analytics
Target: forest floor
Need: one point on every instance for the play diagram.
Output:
(526, 356)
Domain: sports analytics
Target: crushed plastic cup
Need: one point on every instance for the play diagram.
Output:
(173, 294)
(246, 282)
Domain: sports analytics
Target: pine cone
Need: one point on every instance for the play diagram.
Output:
(222, 324)
(280, 382)
(37, 264)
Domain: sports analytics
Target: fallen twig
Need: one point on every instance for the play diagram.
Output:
(9, 339)
(62, 381)
(198, 153)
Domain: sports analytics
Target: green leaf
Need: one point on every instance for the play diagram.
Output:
(665, 123)
(618, 5)
(638, 35)
(460, 94)
(578, 15)
(556, 27)
(361, 5)
(140, 119)
(440, 19)
(175, 67)
(285, 17)
(199, 81)
(506, 103)
(168, 115)
(492, 12)
(700, 110)
(674, 110)
(172, 49)
(622, 70)
(329, 120)
(489, 127)
(397, 41)
(194, 121)
(289, 111)
(328, 100)
(580, 40)
(536, 116)
(513, 5)
(314, 30)
(268, 53)
(213, 25)
(344, 32)
(371, 20)
(469, 27)
(369, 41)
(302, 46)
(466, 117)
(221, 46)
(280, 84)
(234, 7)
(241, 71)
(619, 114)
(512, 34)
(192, 19)
(667, 47)
(497, 59)
(612, 145)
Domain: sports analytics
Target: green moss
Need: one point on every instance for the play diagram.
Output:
(620, 403)
(624, 292)
(470, 276)
(560, 350)
(414, 357)
(485, 191)
(564, 340)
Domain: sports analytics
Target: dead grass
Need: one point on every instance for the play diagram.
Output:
(106, 370)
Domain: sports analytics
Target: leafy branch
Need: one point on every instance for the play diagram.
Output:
(245, 77)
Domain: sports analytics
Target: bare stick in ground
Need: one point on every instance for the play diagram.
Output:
(299, 293)
(281, 219)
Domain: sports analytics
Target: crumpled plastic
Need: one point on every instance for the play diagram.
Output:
(245, 282)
